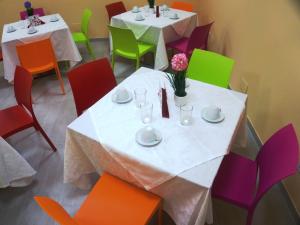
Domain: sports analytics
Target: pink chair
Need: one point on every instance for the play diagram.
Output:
(198, 39)
(237, 176)
(37, 11)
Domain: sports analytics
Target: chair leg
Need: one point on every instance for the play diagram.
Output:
(60, 80)
(160, 215)
(39, 128)
(89, 48)
(137, 63)
(249, 217)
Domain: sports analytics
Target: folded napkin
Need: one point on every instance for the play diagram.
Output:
(35, 22)
(164, 108)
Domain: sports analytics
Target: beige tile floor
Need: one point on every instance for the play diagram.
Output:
(55, 112)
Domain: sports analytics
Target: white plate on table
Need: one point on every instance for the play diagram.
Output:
(54, 19)
(32, 32)
(218, 120)
(141, 19)
(174, 18)
(10, 31)
(135, 11)
(138, 138)
(114, 99)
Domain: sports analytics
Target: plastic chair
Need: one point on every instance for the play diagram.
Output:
(210, 67)
(21, 116)
(39, 57)
(37, 11)
(198, 39)
(237, 176)
(114, 9)
(126, 45)
(182, 6)
(82, 36)
(111, 202)
(90, 82)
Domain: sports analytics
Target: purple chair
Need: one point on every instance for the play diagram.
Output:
(237, 176)
(198, 39)
(37, 11)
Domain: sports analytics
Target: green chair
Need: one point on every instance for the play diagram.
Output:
(82, 37)
(126, 45)
(210, 67)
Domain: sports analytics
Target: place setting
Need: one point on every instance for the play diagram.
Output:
(10, 29)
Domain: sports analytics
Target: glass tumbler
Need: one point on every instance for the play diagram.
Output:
(146, 113)
(140, 97)
(186, 117)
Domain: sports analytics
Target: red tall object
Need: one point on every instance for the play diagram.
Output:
(114, 9)
(21, 116)
(237, 177)
(90, 82)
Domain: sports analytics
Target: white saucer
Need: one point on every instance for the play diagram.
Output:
(113, 98)
(148, 144)
(52, 20)
(174, 18)
(136, 11)
(140, 19)
(32, 32)
(10, 31)
(218, 120)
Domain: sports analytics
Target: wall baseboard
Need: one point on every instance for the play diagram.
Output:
(284, 192)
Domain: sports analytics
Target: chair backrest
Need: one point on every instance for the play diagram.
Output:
(22, 87)
(210, 67)
(182, 6)
(85, 21)
(114, 9)
(199, 37)
(55, 210)
(124, 39)
(37, 11)
(277, 159)
(36, 54)
(90, 82)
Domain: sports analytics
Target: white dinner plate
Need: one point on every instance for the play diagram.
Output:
(148, 144)
(218, 120)
(114, 99)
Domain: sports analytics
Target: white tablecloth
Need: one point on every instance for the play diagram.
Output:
(14, 170)
(158, 31)
(59, 33)
(181, 169)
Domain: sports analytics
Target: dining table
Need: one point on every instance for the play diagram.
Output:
(181, 168)
(15, 171)
(157, 30)
(58, 31)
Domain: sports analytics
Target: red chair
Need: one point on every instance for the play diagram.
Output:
(237, 177)
(21, 116)
(1, 56)
(37, 11)
(114, 9)
(198, 39)
(90, 82)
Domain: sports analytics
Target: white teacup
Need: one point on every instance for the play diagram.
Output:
(31, 30)
(174, 15)
(148, 135)
(135, 9)
(53, 18)
(10, 28)
(213, 112)
(122, 94)
(165, 7)
(139, 17)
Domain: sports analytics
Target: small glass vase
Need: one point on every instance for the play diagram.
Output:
(180, 101)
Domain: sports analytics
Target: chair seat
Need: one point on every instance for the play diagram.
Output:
(79, 37)
(143, 49)
(236, 180)
(12, 119)
(113, 201)
(41, 69)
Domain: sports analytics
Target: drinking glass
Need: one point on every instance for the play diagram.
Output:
(186, 112)
(146, 10)
(140, 97)
(146, 113)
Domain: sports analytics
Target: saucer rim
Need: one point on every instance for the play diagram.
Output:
(32, 32)
(11, 30)
(139, 20)
(149, 144)
(218, 120)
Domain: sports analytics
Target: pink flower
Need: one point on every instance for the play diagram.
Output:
(179, 62)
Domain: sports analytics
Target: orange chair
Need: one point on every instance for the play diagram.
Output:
(182, 6)
(111, 202)
(38, 57)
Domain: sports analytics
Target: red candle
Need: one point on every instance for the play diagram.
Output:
(157, 11)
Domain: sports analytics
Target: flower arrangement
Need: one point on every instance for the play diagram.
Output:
(177, 79)
(28, 7)
(151, 3)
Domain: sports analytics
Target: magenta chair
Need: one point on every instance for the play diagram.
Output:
(198, 39)
(37, 11)
(237, 177)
